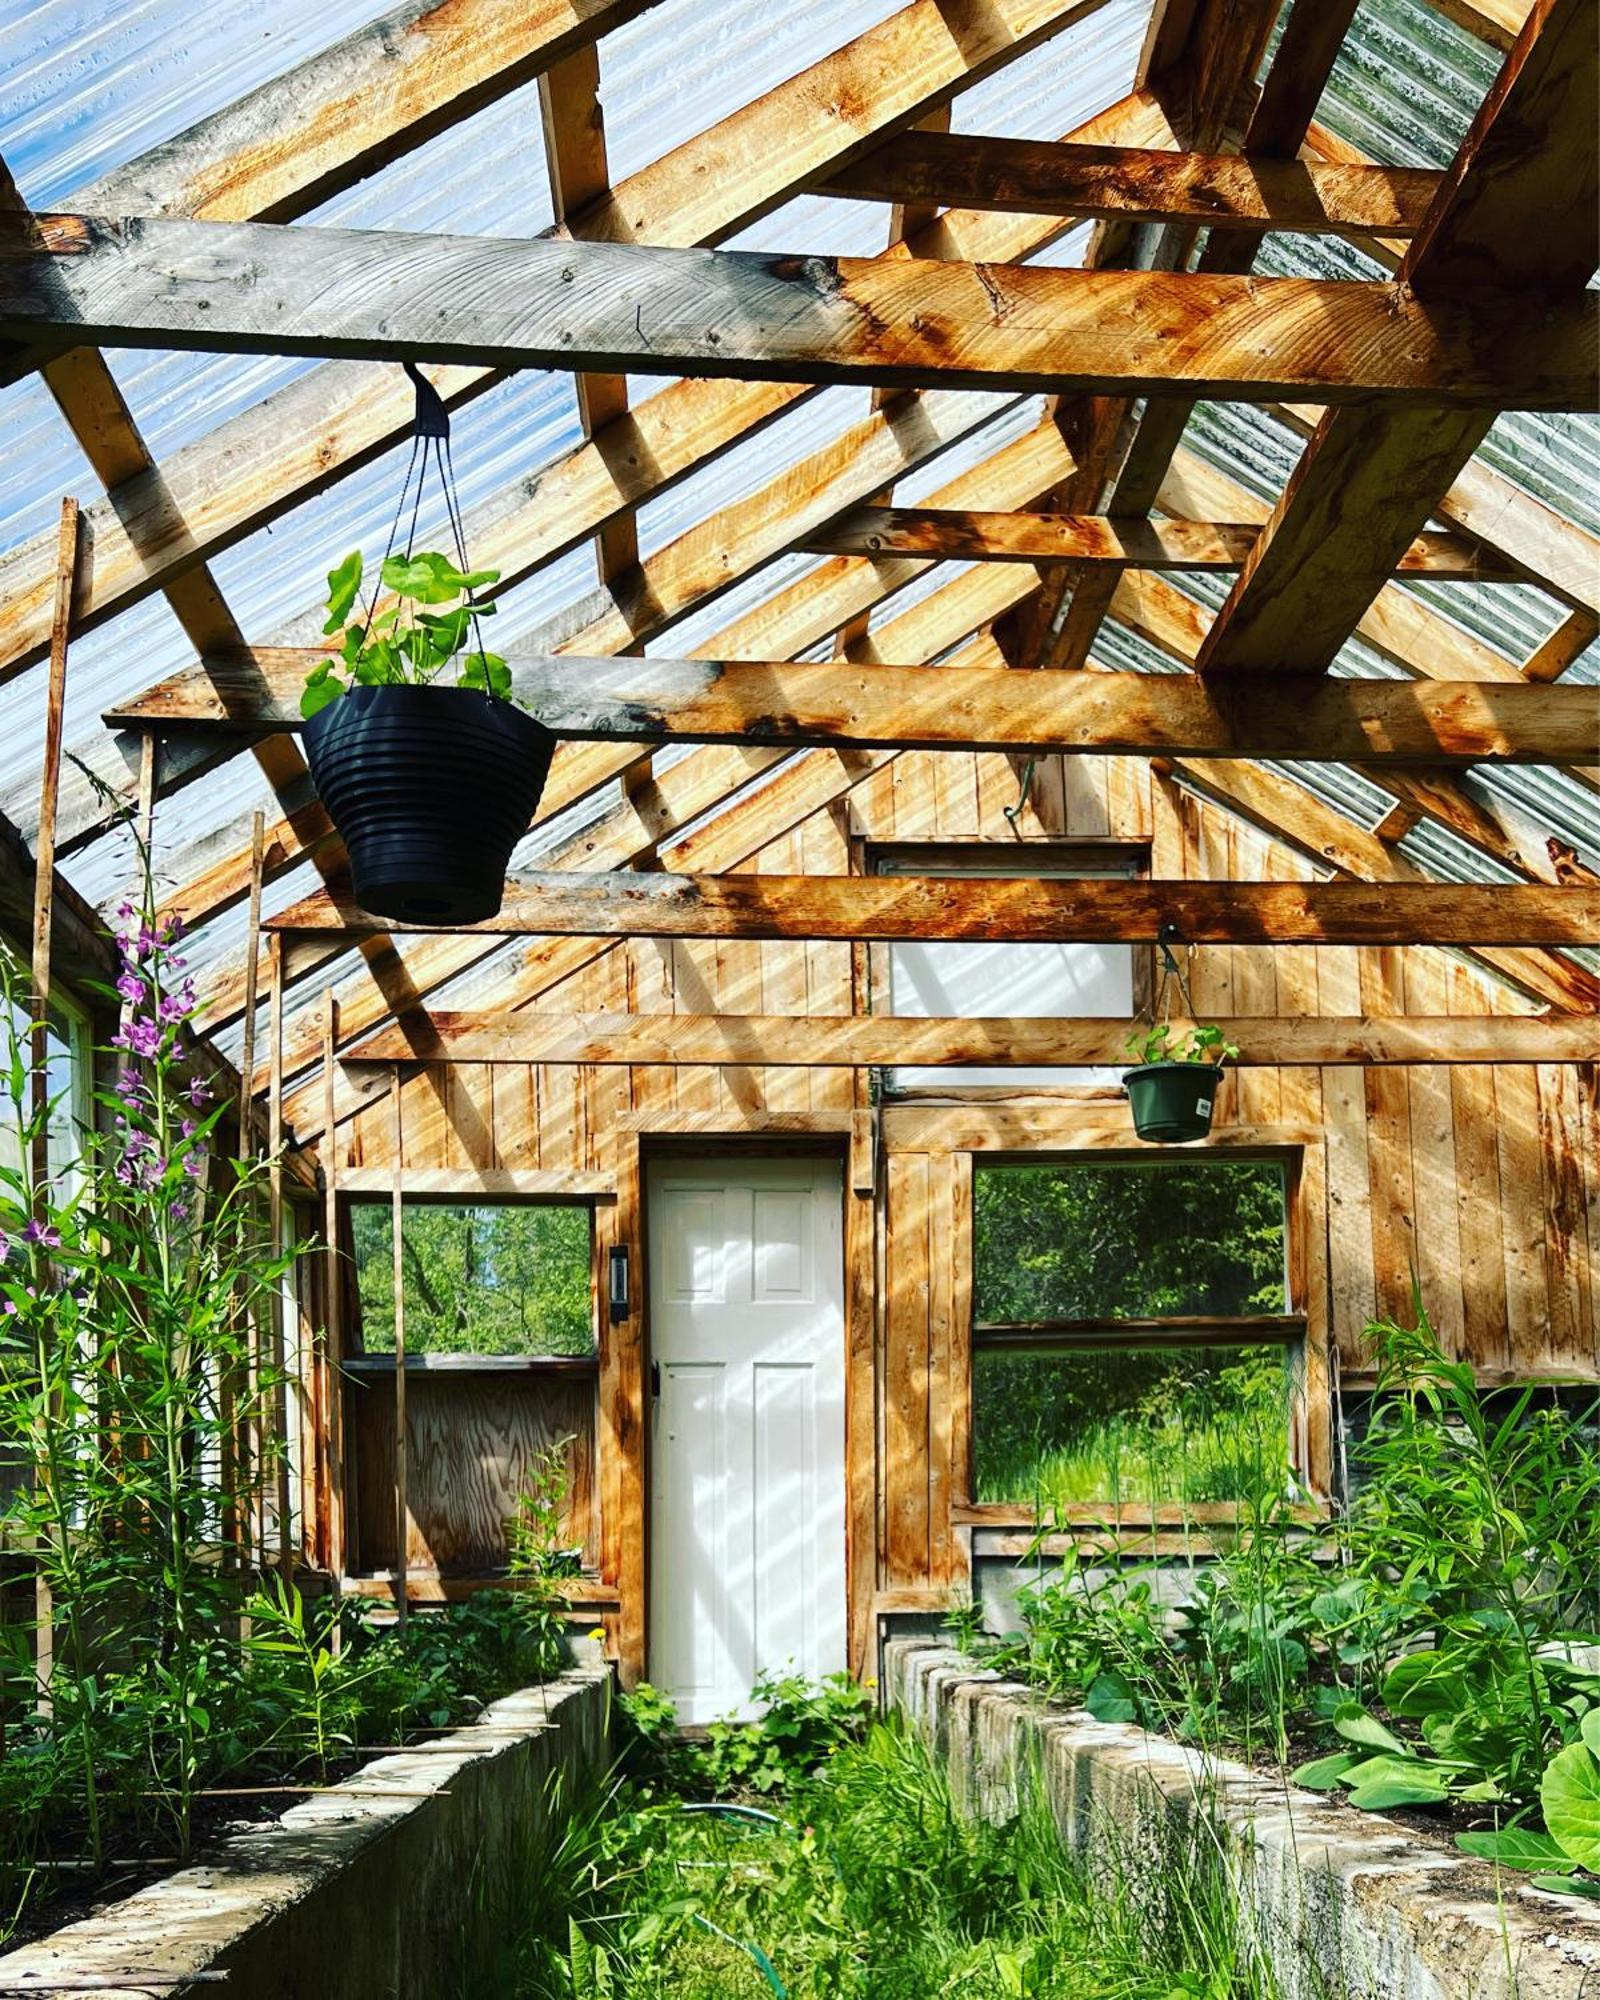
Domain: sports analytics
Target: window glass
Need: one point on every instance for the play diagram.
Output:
(1176, 1424)
(967, 980)
(70, 1084)
(1107, 1241)
(1128, 1240)
(488, 1279)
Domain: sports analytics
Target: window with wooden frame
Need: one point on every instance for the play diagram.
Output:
(1132, 1346)
(963, 980)
(505, 1279)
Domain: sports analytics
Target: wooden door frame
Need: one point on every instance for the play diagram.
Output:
(623, 1441)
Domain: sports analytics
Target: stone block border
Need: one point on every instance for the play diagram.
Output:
(348, 1898)
(1348, 1906)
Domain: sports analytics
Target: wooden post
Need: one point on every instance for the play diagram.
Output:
(275, 1321)
(44, 873)
(239, 1458)
(333, 1295)
(396, 1135)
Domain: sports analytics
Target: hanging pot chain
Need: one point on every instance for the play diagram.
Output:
(430, 438)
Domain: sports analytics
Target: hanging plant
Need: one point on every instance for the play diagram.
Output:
(1173, 1086)
(427, 768)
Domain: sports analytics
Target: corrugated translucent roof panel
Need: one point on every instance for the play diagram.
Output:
(93, 83)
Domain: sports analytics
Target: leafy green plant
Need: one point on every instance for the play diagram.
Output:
(1564, 1859)
(871, 1883)
(412, 640)
(1161, 1043)
(801, 1724)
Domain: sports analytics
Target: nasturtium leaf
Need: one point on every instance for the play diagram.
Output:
(320, 689)
(1568, 1885)
(1516, 1847)
(1589, 1730)
(343, 583)
(1570, 1796)
(1356, 1726)
(489, 672)
(416, 577)
(1323, 1773)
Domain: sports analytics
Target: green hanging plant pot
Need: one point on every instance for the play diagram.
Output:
(1172, 1101)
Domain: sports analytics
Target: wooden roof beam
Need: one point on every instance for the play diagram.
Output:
(810, 1041)
(575, 153)
(988, 909)
(1130, 542)
(874, 707)
(1517, 210)
(1220, 190)
(259, 289)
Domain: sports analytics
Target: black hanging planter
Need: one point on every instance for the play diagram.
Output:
(1171, 1101)
(430, 789)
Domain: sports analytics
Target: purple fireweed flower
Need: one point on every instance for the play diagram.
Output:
(131, 986)
(126, 911)
(171, 929)
(179, 1211)
(188, 1128)
(171, 1008)
(198, 1095)
(141, 1036)
(42, 1233)
(128, 1084)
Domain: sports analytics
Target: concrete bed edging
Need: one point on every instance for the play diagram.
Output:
(345, 1899)
(1343, 1905)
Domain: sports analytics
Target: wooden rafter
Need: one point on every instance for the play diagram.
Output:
(1166, 542)
(1125, 462)
(876, 707)
(1517, 210)
(973, 907)
(1217, 189)
(814, 1041)
(253, 288)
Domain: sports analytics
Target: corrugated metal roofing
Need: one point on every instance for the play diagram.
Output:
(93, 83)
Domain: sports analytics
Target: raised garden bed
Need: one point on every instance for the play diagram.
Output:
(354, 1898)
(1340, 1901)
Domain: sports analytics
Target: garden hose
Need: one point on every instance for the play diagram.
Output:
(753, 1952)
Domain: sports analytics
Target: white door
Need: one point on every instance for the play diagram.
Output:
(747, 1564)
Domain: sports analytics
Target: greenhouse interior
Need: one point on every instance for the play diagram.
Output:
(699, 1296)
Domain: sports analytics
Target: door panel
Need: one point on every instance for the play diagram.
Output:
(747, 1442)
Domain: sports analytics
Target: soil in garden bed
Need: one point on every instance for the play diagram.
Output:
(63, 1896)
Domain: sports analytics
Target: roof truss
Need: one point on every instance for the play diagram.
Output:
(283, 149)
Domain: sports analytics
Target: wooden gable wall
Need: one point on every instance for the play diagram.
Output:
(1486, 1180)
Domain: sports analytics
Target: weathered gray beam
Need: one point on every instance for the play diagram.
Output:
(382, 295)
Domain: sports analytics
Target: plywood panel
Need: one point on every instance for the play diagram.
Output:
(471, 1442)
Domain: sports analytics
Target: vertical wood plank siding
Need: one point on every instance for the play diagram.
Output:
(1485, 1181)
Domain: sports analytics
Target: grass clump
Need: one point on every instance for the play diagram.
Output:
(871, 1881)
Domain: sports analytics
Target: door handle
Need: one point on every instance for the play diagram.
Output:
(655, 1378)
